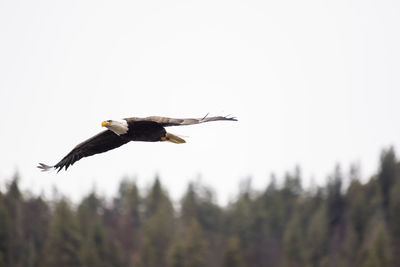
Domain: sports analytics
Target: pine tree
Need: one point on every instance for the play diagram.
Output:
(317, 236)
(63, 244)
(158, 233)
(232, 256)
(194, 246)
(198, 203)
(335, 201)
(359, 211)
(177, 254)
(36, 222)
(129, 203)
(376, 248)
(123, 221)
(155, 199)
(95, 246)
(189, 205)
(267, 220)
(240, 221)
(293, 244)
(158, 228)
(5, 230)
(388, 175)
(14, 205)
(394, 222)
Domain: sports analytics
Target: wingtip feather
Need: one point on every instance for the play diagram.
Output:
(44, 168)
(231, 118)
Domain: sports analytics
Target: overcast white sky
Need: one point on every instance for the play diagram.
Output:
(313, 83)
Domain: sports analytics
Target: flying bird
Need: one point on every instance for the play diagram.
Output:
(118, 133)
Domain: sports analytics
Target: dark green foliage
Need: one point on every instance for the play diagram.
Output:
(388, 175)
(394, 221)
(316, 236)
(36, 220)
(233, 253)
(293, 244)
(5, 228)
(194, 246)
(96, 248)
(335, 200)
(284, 225)
(189, 250)
(198, 203)
(158, 228)
(177, 255)
(123, 222)
(376, 249)
(63, 243)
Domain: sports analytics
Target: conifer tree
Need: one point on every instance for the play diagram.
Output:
(388, 174)
(177, 254)
(95, 246)
(63, 244)
(394, 221)
(317, 236)
(293, 245)
(198, 203)
(359, 211)
(158, 228)
(5, 226)
(36, 222)
(194, 246)
(14, 205)
(123, 221)
(189, 205)
(233, 254)
(335, 201)
(129, 203)
(377, 251)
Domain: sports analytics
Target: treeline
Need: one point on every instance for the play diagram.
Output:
(280, 226)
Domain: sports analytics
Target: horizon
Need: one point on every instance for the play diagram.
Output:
(244, 185)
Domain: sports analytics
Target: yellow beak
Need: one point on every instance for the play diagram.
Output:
(105, 123)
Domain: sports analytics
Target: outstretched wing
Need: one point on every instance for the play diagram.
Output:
(99, 143)
(164, 121)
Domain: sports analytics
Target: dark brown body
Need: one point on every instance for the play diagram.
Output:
(148, 131)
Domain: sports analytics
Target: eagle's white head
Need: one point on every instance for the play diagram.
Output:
(118, 127)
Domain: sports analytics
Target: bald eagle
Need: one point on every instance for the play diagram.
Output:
(118, 133)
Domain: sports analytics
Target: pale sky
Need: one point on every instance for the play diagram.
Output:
(313, 83)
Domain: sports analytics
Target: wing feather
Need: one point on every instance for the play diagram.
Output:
(165, 121)
(99, 143)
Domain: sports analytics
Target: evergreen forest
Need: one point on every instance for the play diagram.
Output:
(345, 222)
